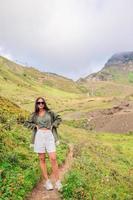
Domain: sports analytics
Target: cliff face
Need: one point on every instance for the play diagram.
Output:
(119, 66)
(120, 59)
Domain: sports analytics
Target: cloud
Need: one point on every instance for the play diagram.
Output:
(5, 54)
(68, 37)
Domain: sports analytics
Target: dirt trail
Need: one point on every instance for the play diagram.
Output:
(40, 193)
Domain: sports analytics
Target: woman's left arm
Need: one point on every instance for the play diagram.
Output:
(56, 119)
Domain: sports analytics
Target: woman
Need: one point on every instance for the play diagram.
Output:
(41, 120)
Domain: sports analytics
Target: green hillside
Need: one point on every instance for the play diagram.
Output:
(102, 167)
(17, 81)
(107, 88)
(116, 74)
(22, 85)
(29, 76)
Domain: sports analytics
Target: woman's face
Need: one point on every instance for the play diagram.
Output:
(40, 103)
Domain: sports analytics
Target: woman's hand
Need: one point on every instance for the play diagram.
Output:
(37, 127)
(51, 127)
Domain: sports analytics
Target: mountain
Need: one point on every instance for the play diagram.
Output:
(118, 68)
(114, 79)
(121, 59)
(23, 84)
(22, 75)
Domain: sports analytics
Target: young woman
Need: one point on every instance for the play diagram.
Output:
(45, 140)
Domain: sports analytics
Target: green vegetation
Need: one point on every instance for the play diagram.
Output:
(76, 123)
(102, 167)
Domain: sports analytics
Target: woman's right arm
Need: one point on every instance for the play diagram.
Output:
(30, 123)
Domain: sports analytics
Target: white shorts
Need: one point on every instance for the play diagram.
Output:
(44, 141)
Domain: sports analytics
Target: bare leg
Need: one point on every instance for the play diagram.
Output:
(54, 164)
(43, 165)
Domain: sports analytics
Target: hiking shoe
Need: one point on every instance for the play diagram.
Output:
(48, 185)
(58, 185)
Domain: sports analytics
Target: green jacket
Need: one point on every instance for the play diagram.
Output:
(55, 121)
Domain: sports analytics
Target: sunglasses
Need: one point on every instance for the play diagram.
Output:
(40, 102)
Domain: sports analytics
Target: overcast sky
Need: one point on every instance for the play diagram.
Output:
(72, 38)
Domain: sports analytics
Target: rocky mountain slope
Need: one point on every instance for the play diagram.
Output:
(118, 68)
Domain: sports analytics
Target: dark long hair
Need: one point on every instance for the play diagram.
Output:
(36, 105)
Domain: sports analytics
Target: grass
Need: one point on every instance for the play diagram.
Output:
(102, 167)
